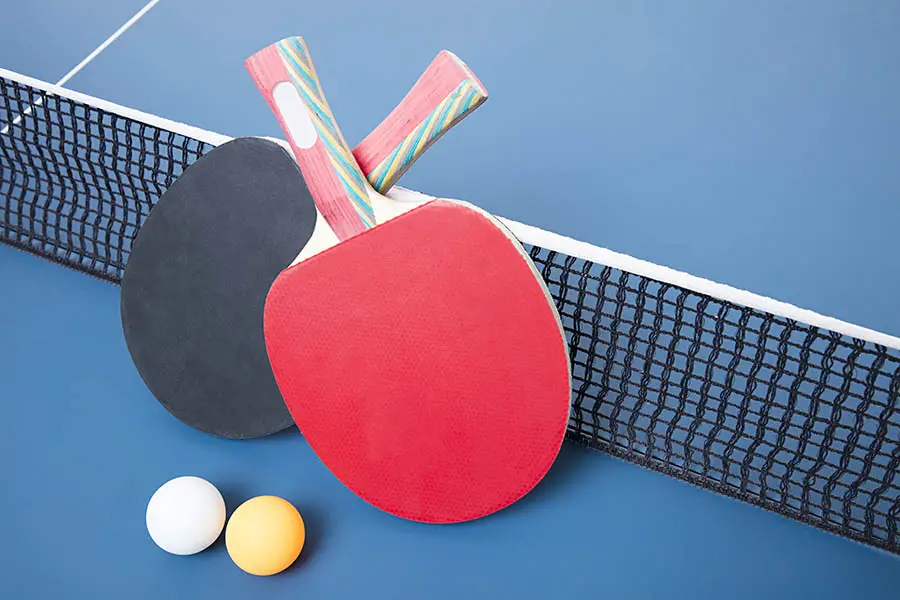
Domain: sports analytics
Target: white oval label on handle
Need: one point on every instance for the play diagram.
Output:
(296, 117)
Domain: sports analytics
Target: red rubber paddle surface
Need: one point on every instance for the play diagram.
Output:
(424, 363)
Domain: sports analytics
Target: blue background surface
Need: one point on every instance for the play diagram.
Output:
(754, 144)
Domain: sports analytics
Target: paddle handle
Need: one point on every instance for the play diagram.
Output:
(445, 93)
(285, 76)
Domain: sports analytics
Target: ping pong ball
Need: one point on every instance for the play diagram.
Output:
(185, 515)
(265, 535)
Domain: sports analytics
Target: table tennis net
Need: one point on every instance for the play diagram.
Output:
(780, 408)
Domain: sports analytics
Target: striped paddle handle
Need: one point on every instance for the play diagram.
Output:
(443, 95)
(284, 74)
(446, 93)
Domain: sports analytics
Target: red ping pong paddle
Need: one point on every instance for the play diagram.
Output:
(422, 358)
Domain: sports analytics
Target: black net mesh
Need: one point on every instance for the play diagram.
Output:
(790, 417)
(77, 181)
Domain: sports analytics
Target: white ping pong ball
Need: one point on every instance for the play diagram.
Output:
(185, 515)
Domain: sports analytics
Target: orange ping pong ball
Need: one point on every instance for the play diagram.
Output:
(265, 535)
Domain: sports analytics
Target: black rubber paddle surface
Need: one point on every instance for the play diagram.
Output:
(196, 282)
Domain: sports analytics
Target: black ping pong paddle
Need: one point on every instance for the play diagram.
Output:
(195, 285)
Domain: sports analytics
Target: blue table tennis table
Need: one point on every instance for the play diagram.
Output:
(753, 144)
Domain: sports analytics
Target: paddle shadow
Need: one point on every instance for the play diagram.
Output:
(570, 464)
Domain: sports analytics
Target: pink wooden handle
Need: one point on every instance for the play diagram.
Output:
(285, 76)
(443, 95)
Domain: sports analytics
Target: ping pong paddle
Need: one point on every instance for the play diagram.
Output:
(195, 284)
(422, 358)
